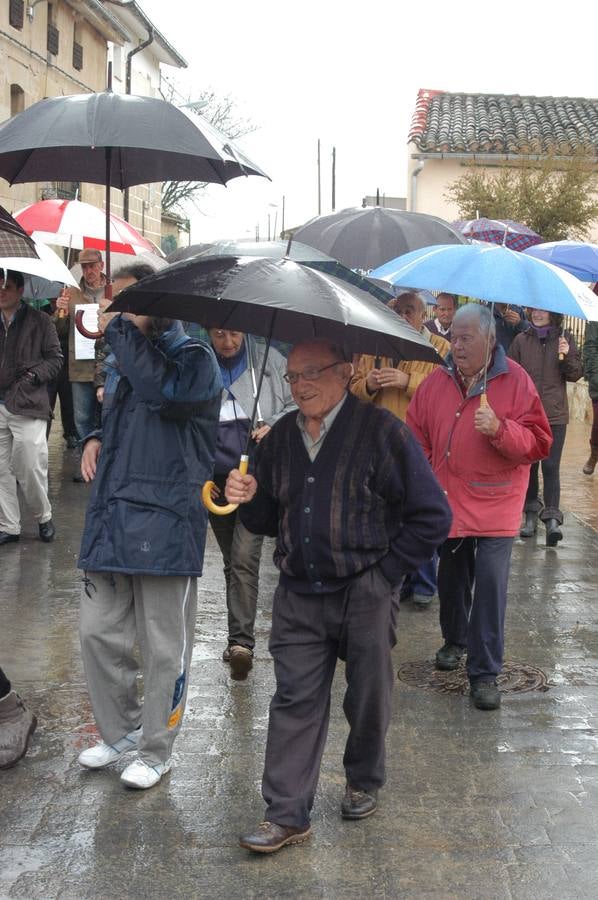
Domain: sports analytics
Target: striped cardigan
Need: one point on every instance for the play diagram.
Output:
(369, 498)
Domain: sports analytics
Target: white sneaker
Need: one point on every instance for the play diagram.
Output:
(139, 774)
(102, 754)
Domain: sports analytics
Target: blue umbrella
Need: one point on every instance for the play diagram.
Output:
(575, 257)
(494, 273)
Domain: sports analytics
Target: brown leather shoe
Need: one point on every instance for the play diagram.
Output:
(270, 837)
(241, 661)
(358, 804)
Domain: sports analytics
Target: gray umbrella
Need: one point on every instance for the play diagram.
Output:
(366, 237)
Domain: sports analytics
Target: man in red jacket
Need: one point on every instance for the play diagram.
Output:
(481, 452)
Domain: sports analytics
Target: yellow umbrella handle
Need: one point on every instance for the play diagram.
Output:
(484, 400)
(206, 493)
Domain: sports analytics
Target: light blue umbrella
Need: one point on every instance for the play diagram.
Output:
(576, 257)
(494, 273)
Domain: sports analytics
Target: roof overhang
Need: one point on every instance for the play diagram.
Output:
(101, 19)
(487, 157)
(138, 23)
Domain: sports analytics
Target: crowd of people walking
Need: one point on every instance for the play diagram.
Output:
(383, 481)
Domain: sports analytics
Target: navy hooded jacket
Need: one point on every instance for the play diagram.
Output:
(159, 423)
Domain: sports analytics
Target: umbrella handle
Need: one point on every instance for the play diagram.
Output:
(561, 357)
(92, 335)
(484, 400)
(206, 493)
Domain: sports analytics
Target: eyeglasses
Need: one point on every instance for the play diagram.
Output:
(310, 373)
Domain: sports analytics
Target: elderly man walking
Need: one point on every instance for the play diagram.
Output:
(354, 506)
(481, 452)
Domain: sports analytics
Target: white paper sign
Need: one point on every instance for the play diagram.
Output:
(85, 347)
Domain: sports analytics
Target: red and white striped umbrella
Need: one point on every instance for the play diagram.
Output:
(71, 223)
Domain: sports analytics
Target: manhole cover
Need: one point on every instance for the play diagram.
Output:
(515, 678)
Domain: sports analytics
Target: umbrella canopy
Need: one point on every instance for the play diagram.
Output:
(14, 241)
(71, 223)
(46, 265)
(300, 253)
(493, 273)
(363, 238)
(271, 249)
(149, 139)
(576, 257)
(278, 298)
(510, 234)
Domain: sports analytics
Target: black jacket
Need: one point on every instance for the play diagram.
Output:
(30, 357)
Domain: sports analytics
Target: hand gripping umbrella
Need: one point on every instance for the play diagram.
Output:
(118, 140)
(274, 298)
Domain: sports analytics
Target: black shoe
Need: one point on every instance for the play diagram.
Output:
(47, 531)
(6, 538)
(485, 695)
(449, 656)
(358, 804)
(270, 837)
(553, 533)
(531, 525)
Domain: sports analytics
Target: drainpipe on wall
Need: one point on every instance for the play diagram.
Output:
(414, 175)
(130, 55)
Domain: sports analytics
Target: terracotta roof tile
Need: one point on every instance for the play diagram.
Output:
(503, 123)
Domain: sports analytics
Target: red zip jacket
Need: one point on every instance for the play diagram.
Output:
(485, 479)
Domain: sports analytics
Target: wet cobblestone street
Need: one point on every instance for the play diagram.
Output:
(478, 805)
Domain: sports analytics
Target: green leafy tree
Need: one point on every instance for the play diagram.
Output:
(557, 198)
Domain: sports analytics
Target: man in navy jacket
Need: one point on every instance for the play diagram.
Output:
(143, 543)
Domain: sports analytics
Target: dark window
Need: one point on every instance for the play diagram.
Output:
(16, 13)
(53, 39)
(67, 190)
(77, 56)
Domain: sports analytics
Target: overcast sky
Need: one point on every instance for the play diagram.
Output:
(349, 74)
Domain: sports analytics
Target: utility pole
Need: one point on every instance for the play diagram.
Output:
(283, 206)
(333, 179)
(319, 182)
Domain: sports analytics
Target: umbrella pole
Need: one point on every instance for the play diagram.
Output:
(484, 395)
(206, 491)
(108, 267)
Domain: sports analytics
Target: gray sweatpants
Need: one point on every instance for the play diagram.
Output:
(157, 612)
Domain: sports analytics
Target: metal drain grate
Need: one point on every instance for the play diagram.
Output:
(515, 678)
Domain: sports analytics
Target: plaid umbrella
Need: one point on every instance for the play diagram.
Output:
(510, 234)
(13, 240)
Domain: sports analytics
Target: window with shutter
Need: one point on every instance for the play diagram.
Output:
(77, 56)
(16, 13)
(53, 39)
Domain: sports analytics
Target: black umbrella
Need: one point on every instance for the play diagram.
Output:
(117, 140)
(276, 298)
(297, 251)
(366, 237)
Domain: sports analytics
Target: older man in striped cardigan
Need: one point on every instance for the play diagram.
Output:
(352, 501)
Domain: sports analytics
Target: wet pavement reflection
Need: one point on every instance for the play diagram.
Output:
(477, 805)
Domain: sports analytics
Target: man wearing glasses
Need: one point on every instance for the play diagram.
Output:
(353, 503)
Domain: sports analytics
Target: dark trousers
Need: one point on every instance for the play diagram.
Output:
(472, 589)
(551, 477)
(4, 685)
(594, 432)
(309, 634)
(61, 388)
(241, 551)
